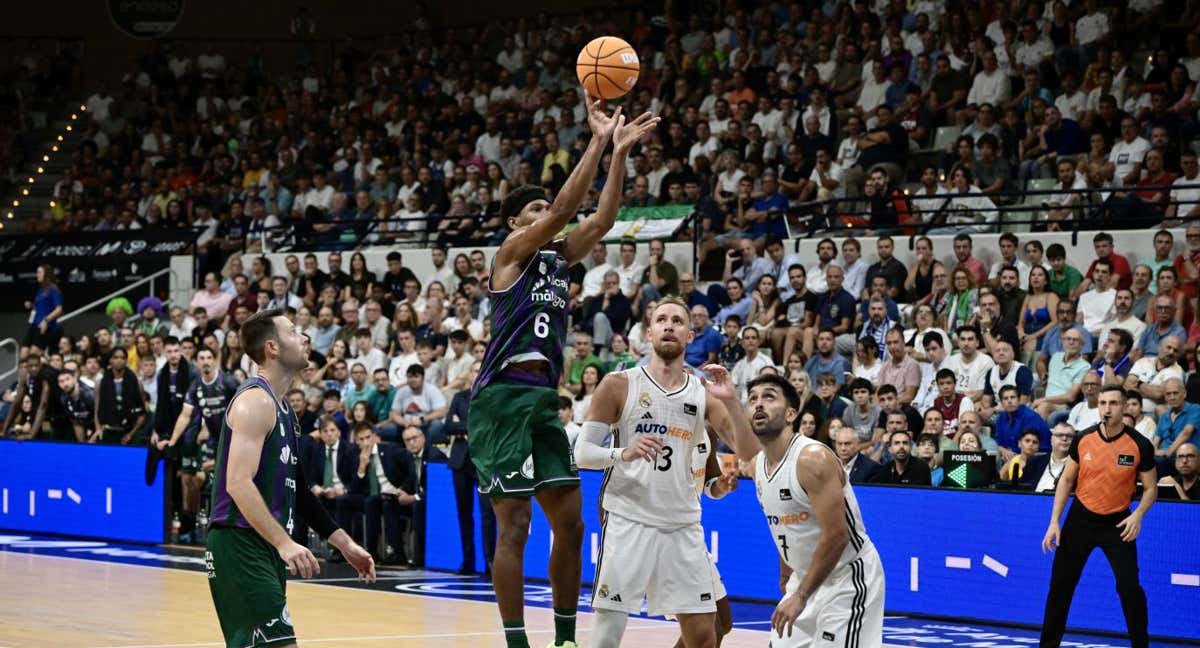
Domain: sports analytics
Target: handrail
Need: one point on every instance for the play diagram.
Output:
(16, 356)
(114, 293)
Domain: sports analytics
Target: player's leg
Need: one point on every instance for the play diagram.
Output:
(801, 634)
(868, 626)
(1122, 556)
(624, 568)
(512, 518)
(723, 624)
(562, 505)
(247, 581)
(682, 583)
(1075, 546)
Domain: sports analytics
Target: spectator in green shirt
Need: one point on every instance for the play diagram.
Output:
(380, 400)
(358, 389)
(581, 358)
(658, 279)
(1063, 276)
(619, 356)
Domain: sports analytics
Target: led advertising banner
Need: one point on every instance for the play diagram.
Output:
(965, 554)
(93, 491)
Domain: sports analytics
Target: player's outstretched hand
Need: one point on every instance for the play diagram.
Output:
(643, 447)
(1050, 542)
(628, 134)
(299, 560)
(786, 613)
(601, 125)
(718, 383)
(360, 560)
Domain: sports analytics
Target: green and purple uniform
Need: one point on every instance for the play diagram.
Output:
(517, 443)
(208, 401)
(246, 576)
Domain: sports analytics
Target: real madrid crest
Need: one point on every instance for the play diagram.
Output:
(644, 399)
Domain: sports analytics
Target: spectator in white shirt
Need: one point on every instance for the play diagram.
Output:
(593, 279)
(815, 274)
(1072, 102)
(1185, 200)
(630, 270)
(854, 269)
(969, 210)
(1124, 166)
(1090, 29)
(510, 58)
(874, 90)
(991, 85)
(767, 118)
(748, 367)
(1095, 304)
(706, 144)
(847, 153)
(1033, 48)
(817, 107)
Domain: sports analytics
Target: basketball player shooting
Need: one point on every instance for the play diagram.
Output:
(652, 544)
(835, 596)
(258, 489)
(516, 440)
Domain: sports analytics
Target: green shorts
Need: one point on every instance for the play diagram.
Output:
(517, 443)
(189, 456)
(247, 579)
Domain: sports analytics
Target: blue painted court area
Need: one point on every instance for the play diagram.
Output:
(898, 631)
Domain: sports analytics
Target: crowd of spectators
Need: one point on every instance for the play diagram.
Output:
(763, 109)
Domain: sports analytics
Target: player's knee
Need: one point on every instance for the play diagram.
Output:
(723, 625)
(516, 529)
(570, 531)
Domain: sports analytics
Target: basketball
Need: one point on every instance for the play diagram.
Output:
(607, 67)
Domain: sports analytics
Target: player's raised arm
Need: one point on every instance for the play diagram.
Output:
(593, 228)
(727, 416)
(523, 242)
(251, 419)
(822, 477)
(603, 412)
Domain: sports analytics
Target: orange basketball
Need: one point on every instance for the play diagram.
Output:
(607, 67)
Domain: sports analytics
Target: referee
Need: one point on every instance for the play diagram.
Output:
(1104, 465)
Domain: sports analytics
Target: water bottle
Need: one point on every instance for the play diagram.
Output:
(314, 544)
(175, 525)
(201, 532)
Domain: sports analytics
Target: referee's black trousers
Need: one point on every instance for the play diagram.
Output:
(1082, 532)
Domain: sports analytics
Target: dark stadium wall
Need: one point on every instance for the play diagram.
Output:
(242, 26)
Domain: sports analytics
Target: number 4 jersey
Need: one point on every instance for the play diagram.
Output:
(529, 322)
(660, 492)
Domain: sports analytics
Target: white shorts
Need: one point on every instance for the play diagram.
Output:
(670, 568)
(845, 612)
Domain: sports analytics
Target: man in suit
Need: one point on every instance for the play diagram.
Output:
(332, 465)
(465, 482)
(418, 455)
(382, 485)
(1042, 471)
(859, 468)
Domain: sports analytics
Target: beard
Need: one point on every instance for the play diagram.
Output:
(769, 429)
(668, 350)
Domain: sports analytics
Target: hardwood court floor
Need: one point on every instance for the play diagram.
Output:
(53, 602)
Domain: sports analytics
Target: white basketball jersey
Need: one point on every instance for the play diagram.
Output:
(661, 492)
(790, 514)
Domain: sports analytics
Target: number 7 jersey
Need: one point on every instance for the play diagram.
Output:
(660, 492)
(529, 321)
(789, 512)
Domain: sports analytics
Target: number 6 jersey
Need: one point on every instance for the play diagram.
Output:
(659, 492)
(790, 513)
(529, 322)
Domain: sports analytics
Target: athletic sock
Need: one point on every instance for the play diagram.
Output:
(564, 626)
(514, 634)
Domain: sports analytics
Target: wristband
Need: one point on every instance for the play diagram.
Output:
(708, 489)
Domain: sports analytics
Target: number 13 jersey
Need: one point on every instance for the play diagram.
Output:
(790, 513)
(660, 492)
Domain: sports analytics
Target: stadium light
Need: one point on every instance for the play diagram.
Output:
(41, 170)
(45, 158)
(10, 214)
(53, 204)
(68, 127)
(16, 203)
(82, 108)
(31, 180)
(24, 192)
(1, 225)
(74, 116)
(60, 138)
